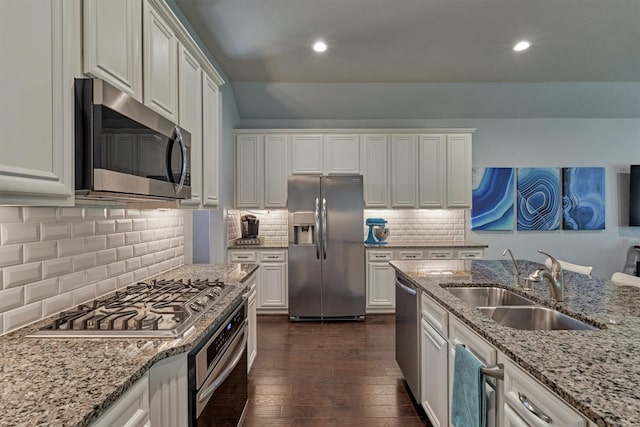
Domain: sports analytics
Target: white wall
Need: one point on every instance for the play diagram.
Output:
(610, 143)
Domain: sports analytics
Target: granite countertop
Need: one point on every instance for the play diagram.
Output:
(597, 372)
(429, 244)
(72, 381)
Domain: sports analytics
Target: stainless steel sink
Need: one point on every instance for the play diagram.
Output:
(488, 296)
(534, 318)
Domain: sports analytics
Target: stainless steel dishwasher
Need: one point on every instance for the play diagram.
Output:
(408, 334)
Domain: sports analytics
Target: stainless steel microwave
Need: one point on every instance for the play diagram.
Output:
(124, 151)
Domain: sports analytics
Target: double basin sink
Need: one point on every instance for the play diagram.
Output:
(510, 309)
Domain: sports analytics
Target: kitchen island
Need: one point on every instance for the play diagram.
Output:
(596, 372)
(71, 381)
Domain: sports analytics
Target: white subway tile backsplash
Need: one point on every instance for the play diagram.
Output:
(71, 214)
(10, 255)
(133, 264)
(154, 269)
(96, 274)
(105, 227)
(125, 280)
(96, 213)
(85, 228)
(84, 261)
(116, 269)
(56, 267)
(40, 290)
(147, 260)
(56, 304)
(116, 240)
(67, 247)
(146, 235)
(140, 249)
(106, 286)
(84, 294)
(132, 238)
(124, 252)
(123, 225)
(12, 233)
(95, 243)
(71, 281)
(54, 230)
(164, 244)
(39, 214)
(116, 213)
(10, 214)
(18, 275)
(139, 224)
(107, 256)
(22, 316)
(153, 246)
(140, 274)
(132, 213)
(11, 298)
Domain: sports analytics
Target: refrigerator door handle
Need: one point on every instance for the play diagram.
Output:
(317, 228)
(324, 228)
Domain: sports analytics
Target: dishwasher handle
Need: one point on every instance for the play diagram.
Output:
(405, 288)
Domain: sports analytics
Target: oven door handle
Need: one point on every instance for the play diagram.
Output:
(204, 395)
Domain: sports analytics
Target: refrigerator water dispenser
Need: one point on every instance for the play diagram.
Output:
(303, 228)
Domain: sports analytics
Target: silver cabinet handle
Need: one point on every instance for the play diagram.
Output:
(242, 257)
(324, 228)
(534, 409)
(316, 218)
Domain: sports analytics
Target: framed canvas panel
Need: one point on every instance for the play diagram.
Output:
(492, 199)
(539, 198)
(583, 206)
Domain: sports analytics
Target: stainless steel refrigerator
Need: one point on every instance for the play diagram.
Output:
(326, 250)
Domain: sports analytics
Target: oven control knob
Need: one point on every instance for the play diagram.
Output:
(195, 307)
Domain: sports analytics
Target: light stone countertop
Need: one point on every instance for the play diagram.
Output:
(71, 381)
(597, 372)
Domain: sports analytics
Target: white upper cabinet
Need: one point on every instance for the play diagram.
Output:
(342, 154)
(160, 56)
(375, 155)
(432, 160)
(210, 141)
(190, 117)
(261, 170)
(459, 170)
(306, 154)
(404, 152)
(36, 107)
(112, 43)
(275, 171)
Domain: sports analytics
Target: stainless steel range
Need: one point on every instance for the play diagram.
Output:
(158, 308)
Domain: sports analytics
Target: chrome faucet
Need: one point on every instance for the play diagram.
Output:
(554, 277)
(516, 274)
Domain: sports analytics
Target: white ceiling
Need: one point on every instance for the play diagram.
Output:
(420, 41)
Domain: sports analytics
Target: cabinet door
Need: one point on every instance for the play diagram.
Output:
(434, 360)
(248, 171)
(190, 114)
(459, 171)
(403, 171)
(381, 296)
(342, 154)
(41, 42)
(112, 43)
(272, 286)
(432, 166)
(275, 171)
(306, 154)
(160, 56)
(210, 142)
(169, 391)
(376, 171)
(131, 409)
(252, 340)
(512, 419)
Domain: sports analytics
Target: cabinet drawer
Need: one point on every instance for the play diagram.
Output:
(533, 402)
(410, 254)
(243, 256)
(435, 315)
(440, 254)
(470, 254)
(273, 256)
(379, 255)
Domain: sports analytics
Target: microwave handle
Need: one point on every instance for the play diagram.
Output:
(183, 169)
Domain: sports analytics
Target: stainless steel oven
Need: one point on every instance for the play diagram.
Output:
(218, 374)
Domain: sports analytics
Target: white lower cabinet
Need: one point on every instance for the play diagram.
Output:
(169, 392)
(252, 340)
(272, 284)
(434, 360)
(529, 403)
(381, 296)
(131, 409)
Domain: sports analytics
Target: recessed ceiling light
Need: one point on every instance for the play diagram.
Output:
(520, 46)
(319, 46)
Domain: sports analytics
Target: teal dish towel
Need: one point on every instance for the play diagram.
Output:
(468, 404)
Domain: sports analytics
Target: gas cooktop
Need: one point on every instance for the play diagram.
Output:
(158, 308)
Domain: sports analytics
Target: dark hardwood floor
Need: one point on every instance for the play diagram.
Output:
(328, 374)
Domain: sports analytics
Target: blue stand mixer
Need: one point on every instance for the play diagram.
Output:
(378, 233)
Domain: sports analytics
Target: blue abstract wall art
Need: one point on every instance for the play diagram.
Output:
(492, 199)
(583, 205)
(538, 192)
